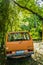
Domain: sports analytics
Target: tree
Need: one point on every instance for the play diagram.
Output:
(32, 7)
(4, 8)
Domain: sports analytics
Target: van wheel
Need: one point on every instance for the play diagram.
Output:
(29, 55)
(8, 58)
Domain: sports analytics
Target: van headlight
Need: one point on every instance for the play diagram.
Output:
(13, 52)
(26, 51)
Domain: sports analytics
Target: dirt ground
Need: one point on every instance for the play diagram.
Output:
(35, 59)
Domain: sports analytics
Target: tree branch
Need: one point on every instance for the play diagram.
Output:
(41, 18)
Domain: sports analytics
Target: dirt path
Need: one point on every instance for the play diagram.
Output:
(35, 59)
(23, 61)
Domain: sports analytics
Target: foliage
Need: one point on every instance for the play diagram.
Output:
(34, 25)
(4, 4)
(31, 4)
(14, 18)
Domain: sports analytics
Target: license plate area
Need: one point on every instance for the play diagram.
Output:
(19, 52)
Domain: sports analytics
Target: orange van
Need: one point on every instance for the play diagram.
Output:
(19, 44)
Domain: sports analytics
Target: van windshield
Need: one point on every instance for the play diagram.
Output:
(18, 36)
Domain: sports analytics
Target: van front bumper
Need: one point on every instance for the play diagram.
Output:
(19, 55)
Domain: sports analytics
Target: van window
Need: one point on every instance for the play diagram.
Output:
(18, 36)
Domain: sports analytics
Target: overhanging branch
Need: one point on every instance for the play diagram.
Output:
(41, 18)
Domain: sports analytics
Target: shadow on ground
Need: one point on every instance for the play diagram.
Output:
(22, 61)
